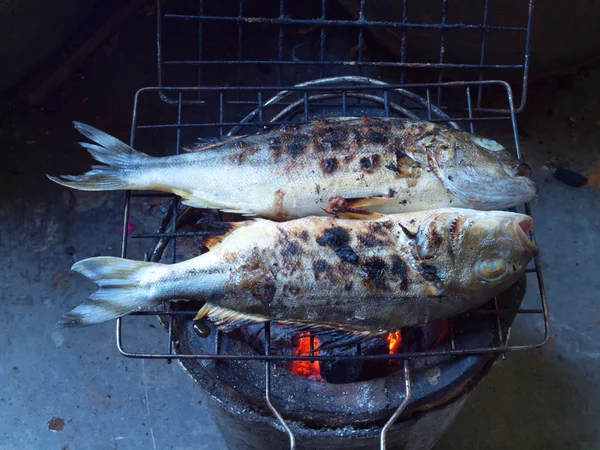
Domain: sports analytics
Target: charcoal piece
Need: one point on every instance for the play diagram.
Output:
(569, 177)
(349, 371)
(375, 368)
(421, 337)
(412, 339)
(340, 371)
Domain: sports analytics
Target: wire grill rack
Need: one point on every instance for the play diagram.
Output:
(437, 40)
(271, 106)
(240, 87)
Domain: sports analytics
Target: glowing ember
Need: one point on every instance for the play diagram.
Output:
(394, 339)
(307, 369)
(444, 329)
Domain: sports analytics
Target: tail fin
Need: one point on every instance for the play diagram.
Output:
(120, 290)
(116, 154)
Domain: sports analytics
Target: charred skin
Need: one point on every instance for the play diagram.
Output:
(332, 273)
(387, 165)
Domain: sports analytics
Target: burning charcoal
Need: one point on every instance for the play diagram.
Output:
(352, 370)
(376, 367)
(254, 336)
(307, 369)
(413, 339)
(348, 371)
(341, 371)
(285, 341)
(425, 336)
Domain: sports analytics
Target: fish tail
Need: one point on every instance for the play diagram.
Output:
(121, 290)
(119, 158)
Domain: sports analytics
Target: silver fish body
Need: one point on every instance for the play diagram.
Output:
(362, 276)
(360, 166)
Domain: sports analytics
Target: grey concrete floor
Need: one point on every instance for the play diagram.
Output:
(76, 382)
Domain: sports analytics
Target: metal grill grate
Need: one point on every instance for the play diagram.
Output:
(431, 40)
(260, 107)
(347, 96)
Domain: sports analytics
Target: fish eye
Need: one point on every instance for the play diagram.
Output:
(491, 269)
(488, 144)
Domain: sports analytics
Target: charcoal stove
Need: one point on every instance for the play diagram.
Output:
(426, 396)
(356, 396)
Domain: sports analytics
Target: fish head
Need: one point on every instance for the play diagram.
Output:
(480, 253)
(481, 172)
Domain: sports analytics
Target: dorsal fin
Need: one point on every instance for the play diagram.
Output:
(221, 230)
(193, 148)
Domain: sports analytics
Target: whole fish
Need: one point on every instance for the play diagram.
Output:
(353, 167)
(360, 276)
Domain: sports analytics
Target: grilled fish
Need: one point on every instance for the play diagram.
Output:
(354, 167)
(359, 276)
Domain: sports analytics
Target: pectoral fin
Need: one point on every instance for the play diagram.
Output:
(219, 230)
(227, 319)
(356, 208)
(335, 335)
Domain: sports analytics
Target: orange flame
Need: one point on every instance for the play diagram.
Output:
(307, 369)
(394, 340)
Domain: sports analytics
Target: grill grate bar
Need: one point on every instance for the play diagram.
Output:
(341, 23)
(322, 36)
(239, 42)
(499, 327)
(191, 62)
(392, 420)
(274, 410)
(230, 124)
(403, 41)
(470, 109)
(174, 215)
(200, 33)
(473, 312)
(452, 335)
(324, 84)
(361, 20)
(482, 55)
(442, 50)
(407, 355)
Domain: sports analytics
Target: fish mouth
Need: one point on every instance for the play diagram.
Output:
(523, 170)
(520, 183)
(493, 193)
(521, 228)
(517, 170)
